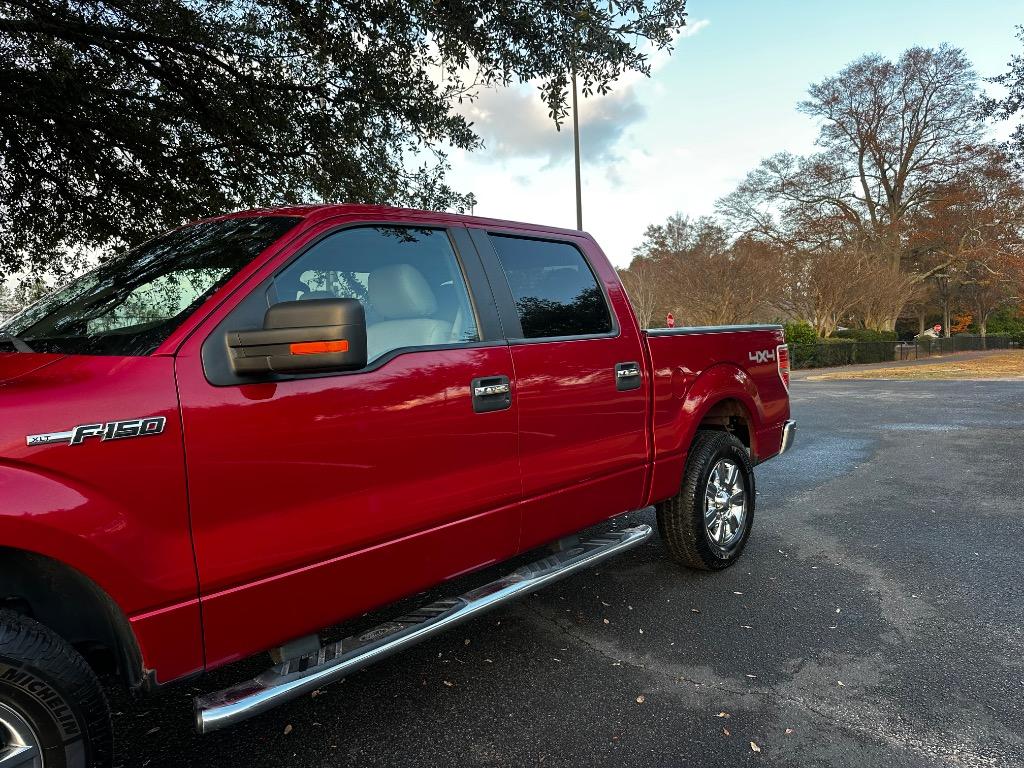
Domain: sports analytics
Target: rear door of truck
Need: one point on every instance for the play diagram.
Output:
(580, 379)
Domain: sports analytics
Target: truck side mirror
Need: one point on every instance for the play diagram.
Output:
(311, 336)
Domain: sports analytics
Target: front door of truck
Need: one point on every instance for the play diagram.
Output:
(580, 384)
(315, 498)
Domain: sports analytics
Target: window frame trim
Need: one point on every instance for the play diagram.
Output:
(504, 299)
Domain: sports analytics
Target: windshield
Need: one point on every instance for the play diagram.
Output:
(130, 304)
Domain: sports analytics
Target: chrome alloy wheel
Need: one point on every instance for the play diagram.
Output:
(725, 504)
(19, 745)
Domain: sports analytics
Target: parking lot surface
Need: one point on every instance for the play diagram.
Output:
(874, 620)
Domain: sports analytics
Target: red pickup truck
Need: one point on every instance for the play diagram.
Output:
(258, 426)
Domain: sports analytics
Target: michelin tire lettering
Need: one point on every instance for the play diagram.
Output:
(45, 694)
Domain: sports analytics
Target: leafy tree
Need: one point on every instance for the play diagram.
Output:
(800, 333)
(118, 119)
(1013, 102)
(894, 135)
(26, 291)
(640, 280)
(973, 227)
(701, 277)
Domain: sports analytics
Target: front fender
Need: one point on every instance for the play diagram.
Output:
(66, 520)
(76, 525)
(114, 510)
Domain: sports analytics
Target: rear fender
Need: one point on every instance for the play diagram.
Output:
(691, 401)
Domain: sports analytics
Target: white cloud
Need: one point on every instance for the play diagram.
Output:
(514, 123)
(639, 159)
(692, 29)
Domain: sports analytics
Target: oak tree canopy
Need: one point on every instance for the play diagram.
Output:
(119, 118)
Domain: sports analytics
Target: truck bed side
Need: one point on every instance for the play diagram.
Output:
(721, 376)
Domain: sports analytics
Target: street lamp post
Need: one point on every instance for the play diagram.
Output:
(576, 151)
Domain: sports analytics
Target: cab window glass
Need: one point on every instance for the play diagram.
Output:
(555, 292)
(131, 303)
(408, 280)
(164, 298)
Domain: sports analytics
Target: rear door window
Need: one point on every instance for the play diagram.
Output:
(555, 292)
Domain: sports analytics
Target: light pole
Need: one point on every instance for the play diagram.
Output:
(576, 151)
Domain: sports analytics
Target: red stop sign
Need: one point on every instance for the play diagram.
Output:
(937, 328)
(670, 321)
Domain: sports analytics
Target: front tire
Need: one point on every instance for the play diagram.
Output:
(706, 525)
(52, 709)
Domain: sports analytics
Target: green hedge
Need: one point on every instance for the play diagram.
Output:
(1007, 320)
(829, 352)
(800, 333)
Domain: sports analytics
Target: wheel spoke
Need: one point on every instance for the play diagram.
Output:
(724, 502)
(12, 757)
(715, 481)
(736, 515)
(19, 745)
(730, 476)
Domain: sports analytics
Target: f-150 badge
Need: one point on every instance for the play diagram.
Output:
(111, 430)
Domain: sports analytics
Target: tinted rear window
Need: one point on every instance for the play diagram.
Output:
(555, 292)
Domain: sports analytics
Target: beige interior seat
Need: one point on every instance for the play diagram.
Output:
(400, 294)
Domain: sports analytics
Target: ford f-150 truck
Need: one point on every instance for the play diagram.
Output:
(261, 425)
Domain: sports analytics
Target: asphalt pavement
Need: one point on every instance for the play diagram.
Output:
(875, 619)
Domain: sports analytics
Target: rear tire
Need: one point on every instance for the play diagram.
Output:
(51, 703)
(706, 525)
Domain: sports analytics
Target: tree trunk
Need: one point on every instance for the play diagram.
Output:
(920, 322)
(945, 318)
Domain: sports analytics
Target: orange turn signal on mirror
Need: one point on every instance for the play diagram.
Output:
(318, 347)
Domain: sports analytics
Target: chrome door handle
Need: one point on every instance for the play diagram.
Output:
(491, 393)
(491, 389)
(627, 376)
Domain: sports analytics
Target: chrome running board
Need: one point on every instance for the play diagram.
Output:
(297, 677)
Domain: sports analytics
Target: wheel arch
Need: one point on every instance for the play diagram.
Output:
(730, 415)
(74, 607)
(723, 397)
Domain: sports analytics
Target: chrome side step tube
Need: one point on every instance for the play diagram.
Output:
(297, 677)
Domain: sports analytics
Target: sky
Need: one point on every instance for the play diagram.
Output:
(723, 100)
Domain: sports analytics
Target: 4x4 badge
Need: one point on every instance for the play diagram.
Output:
(111, 430)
